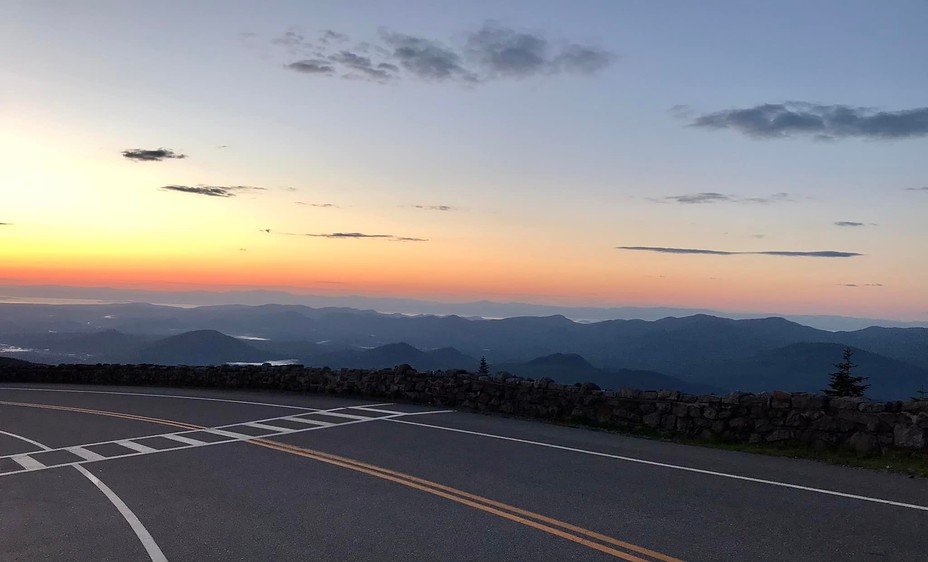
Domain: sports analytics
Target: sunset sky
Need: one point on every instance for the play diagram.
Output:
(740, 156)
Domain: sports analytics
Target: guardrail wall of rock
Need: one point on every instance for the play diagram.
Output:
(853, 423)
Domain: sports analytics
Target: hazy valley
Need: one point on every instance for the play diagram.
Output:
(698, 353)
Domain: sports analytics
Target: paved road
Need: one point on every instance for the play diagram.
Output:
(109, 473)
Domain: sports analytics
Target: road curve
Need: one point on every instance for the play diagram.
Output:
(110, 473)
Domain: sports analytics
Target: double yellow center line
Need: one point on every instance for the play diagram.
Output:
(573, 533)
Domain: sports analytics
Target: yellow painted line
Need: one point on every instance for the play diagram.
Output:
(487, 505)
(103, 413)
(549, 520)
(542, 527)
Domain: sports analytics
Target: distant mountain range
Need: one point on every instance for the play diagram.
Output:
(699, 353)
(481, 309)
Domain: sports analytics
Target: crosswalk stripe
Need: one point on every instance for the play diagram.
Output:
(341, 415)
(229, 434)
(257, 425)
(27, 462)
(309, 421)
(137, 447)
(182, 439)
(85, 454)
(377, 410)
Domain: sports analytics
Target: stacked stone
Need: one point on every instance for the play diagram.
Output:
(819, 421)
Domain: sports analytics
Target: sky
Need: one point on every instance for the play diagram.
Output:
(741, 156)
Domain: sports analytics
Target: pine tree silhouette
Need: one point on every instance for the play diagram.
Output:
(842, 382)
(484, 368)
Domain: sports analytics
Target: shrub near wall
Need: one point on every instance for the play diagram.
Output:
(819, 421)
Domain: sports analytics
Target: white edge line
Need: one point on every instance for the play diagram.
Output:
(671, 466)
(148, 542)
(27, 440)
(151, 547)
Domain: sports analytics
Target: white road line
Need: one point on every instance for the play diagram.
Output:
(142, 449)
(151, 547)
(148, 542)
(182, 439)
(348, 416)
(26, 439)
(404, 415)
(308, 421)
(85, 453)
(273, 428)
(27, 462)
(369, 409)
(219, 430)
(229, 434)
(179, 396)
(137, 447)
(671, 466)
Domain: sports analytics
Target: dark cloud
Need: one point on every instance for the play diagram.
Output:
(212, 190)
(434, 207)
(917, 188)
(156, 155)
(825, 122)
(849, 223)
(501, 52)
(6, 224)
(312, 66)
(363, 67)
(426, 59)
(492, 52)
(820, 254)
(863, 285)
(579, 59)
(328, 36)
(713, 197)
(361, 235)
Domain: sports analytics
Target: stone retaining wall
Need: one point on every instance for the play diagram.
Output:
(853, 423)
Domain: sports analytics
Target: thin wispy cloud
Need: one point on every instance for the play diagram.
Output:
(318, 205)
(781, 253)
(434, 207)
(352, 236)
(850, 224)
(154, 155)
(492, 52)
(917, 188)
(361, 235)
(6, 224)
(861, 285)
(714, 197)
(212, 190)
(823, 122)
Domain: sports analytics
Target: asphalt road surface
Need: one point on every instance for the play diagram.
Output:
(112, 473)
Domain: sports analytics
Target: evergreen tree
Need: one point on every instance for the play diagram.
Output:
(484, 368)
(843, 383)
(921, 394)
